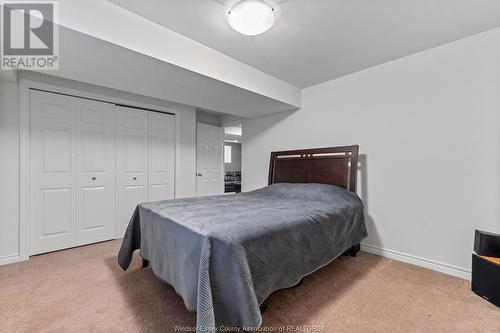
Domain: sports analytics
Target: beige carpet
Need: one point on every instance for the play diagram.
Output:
(84, 290)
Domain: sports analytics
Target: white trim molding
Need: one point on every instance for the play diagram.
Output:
(418, 261)
(9, 259)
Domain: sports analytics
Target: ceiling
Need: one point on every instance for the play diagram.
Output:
(141, 75)
(315, 41)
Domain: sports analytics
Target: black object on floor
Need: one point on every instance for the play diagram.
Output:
(485, 271)
(487, 244)
(145, 263)
(352, 251)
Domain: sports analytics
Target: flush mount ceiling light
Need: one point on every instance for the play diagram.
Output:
(251, 17)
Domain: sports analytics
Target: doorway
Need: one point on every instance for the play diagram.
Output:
(232, 158)
(209, 168)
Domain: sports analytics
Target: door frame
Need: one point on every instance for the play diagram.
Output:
(25, 85)
(222, 171)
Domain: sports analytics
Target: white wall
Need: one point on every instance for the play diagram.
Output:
(185, 172)
(428, 127)
(9, 172)
(185, 185)
(208, 118)
(235, 164)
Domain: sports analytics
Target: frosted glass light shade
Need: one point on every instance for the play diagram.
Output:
(251, 17)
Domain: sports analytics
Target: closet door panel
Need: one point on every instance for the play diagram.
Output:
(52, 206)
(132, 164)
(161, 156)
(96, 171)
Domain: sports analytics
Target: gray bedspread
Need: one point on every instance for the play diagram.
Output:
(224, 255)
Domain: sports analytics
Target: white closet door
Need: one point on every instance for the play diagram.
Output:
(52, 201)
(161, 156)
(95, 171)
(209, 142)
(132, 163)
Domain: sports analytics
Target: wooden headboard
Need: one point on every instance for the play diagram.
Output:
(333, 165)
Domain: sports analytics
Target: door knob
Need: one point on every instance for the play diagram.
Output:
(199, 174)
(94, 178)
(134, 178)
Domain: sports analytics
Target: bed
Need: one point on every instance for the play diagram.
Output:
(224, 255)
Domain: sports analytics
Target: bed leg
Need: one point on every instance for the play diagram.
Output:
(145, 263)
(352, 250)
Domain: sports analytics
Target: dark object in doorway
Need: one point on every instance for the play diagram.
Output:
(232, 182)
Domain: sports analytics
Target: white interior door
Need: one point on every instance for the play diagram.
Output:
(209, 167)
(131, 163)
(91, 163)
(52, 197)
(72, 171)
(95, 160)
(161, 156)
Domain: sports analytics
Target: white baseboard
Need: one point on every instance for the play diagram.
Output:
(391, 254)
(9, 259)
(418, 261)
